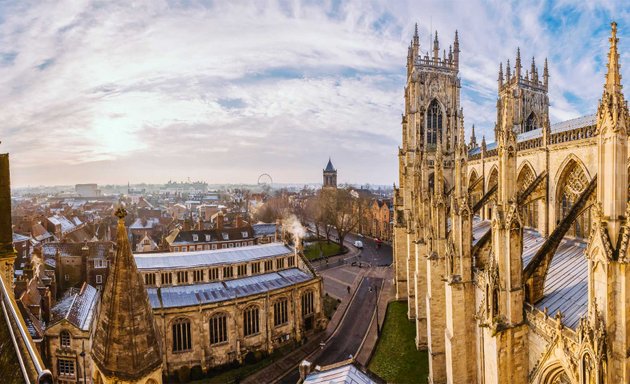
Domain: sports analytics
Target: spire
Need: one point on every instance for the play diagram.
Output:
(613, 77)
(329, 166)
(456, 49)
(612, 133)
(450, 54)
(125, 341)
(517, 66)
(416, 37)
(473, 138)
(508, 71)
(533, 70)
(436, 47)
(500, 76)
(546, 75)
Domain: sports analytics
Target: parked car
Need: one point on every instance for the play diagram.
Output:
(358, 244)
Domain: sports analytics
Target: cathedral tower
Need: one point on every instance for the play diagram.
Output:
(125, 341)
(429, 126)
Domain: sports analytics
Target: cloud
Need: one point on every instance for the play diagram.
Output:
(223, 91)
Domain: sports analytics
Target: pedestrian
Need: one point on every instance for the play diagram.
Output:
(348, 289)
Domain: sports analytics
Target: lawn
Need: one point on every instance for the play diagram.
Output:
(321, 248)
(396, 359)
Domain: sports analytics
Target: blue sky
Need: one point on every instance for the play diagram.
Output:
(226, 90)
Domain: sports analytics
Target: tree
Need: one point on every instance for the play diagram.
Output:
(341, 210)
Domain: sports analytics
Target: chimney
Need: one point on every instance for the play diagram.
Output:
(220, 220)
(239, 221)
(305, 368)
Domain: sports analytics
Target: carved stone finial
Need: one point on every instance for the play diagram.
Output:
(121, 212)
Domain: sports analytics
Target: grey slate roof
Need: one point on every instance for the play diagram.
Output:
(174, 260)
(346, 374)
(264, 229)
(329, 166)
(77, 307)
(566, 284)
(206, 293)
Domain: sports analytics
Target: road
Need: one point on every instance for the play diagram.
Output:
(349, 335)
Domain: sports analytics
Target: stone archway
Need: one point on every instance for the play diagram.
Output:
(555, 374)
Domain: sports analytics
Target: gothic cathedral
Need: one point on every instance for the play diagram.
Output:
(513, 255)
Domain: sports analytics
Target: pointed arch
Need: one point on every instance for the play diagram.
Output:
(531, 122)
(493, 177)
(473, 176)
(572, 179)
(555, 373)
(434, 121)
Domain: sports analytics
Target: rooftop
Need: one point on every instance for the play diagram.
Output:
(206, 293)
(168, 260)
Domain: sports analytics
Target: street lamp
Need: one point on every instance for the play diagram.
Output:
(378, 328)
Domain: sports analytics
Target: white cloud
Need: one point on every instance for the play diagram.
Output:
(222, 91)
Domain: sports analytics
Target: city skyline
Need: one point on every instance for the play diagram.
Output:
(222, 93)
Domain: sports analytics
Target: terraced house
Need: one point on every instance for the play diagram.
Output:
(513, 254)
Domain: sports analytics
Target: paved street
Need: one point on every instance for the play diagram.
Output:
(339, 273)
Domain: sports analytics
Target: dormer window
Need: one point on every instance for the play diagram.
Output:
(225, 236)
(195, 237)
(244, 234)
(207, 237)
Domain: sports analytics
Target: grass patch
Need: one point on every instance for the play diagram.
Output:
(321, 248)
(396, 359)
(330, 306)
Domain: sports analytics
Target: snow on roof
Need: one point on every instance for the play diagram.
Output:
(174, 260)
(196, 294)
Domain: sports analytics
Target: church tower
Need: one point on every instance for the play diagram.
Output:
(125, 341)
(606, 359)
(7, 251)
(330, 175)
(430, 137)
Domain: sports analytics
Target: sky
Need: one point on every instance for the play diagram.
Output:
(223, 91)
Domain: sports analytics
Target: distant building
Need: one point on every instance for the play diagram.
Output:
(330, 176)
(207, 239)
(87, 190)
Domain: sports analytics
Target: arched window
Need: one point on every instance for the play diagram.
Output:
(182, 340)
(531, 123)
(218, 329)
(251, 324)
(434, 122)
(307, 303)
(571, 185)
(64, 339)
(280, 312)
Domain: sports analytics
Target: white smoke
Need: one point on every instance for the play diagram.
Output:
(37, 263)
(292, 225)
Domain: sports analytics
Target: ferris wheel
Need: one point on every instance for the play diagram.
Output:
(265, 180)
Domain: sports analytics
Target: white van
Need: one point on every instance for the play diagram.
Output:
(358, 244)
